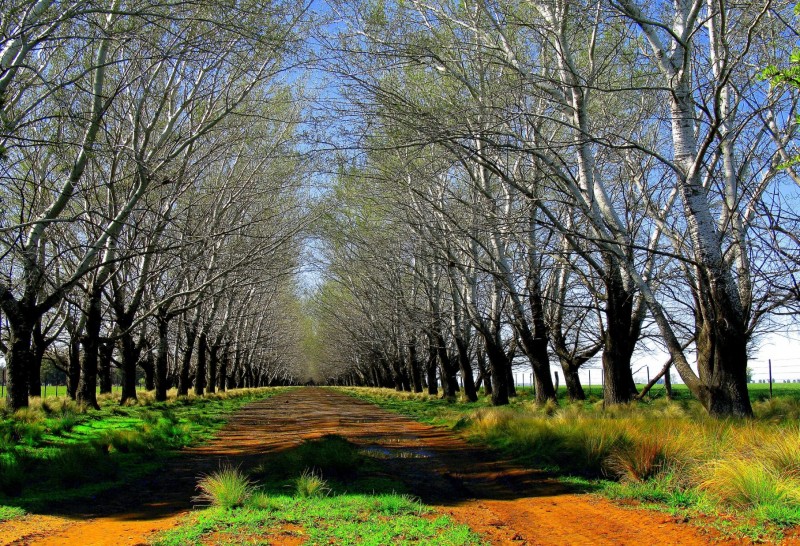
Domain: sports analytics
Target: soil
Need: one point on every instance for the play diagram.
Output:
(503, 503)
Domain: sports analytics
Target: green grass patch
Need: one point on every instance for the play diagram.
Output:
(341, 519)
(57, 450)
(323, 491)
(668, 455)
(10, 512)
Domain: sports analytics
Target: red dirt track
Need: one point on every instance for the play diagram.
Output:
(503, 503)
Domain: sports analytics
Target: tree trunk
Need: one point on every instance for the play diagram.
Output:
(466, 370)
(572, 380)
(129, 356)
(162, 318)
(722, 366)
(39, 345)
(213, 365)
(535, 348)
(222, 374)
(18, 362)
(430, 369)
(148, 366)
(487, 377)
(498, 366)
(200, 372)
(618, 341)
(668, 384)
(186, 361)
(720, 322)
(446, 370)
(234, 380)
(413, 364)
(105, 356)
(90, 341)
(74, 371)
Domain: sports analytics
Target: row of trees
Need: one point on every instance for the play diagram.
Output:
(151, 193)
(561, 180)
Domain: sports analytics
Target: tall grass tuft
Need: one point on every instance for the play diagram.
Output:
(743, 483)
(310, 484)
(638, 461)
(228, 487)
(782, 452)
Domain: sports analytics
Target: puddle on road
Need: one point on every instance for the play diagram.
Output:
(380, 452)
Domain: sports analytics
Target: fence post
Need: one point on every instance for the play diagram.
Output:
(770, 377)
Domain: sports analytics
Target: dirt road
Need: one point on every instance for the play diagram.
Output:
(504, 504)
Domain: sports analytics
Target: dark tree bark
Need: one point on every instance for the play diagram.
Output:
(447, 371)
(104, 369)
(430, 368)
(74, 370)
(162, 319)
(619, 340)
(18, 361)
(498, 369)
(213, 366)
(722, 361)
(129, 356)
(224, 364)
(484, 371)
(200, 373)
(90, 342)
(413, 364)
(39, 346)
(510, 355)
(190, 329)
(465, 366)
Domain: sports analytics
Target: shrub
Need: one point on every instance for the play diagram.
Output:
(228, 487)
(311, 484)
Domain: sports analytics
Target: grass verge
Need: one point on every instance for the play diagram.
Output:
(741, 477)
(56, 451)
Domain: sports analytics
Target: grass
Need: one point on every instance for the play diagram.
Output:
(226, 488)
(743, 476)
(346, 499)
(56, 451)
(311, 484)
